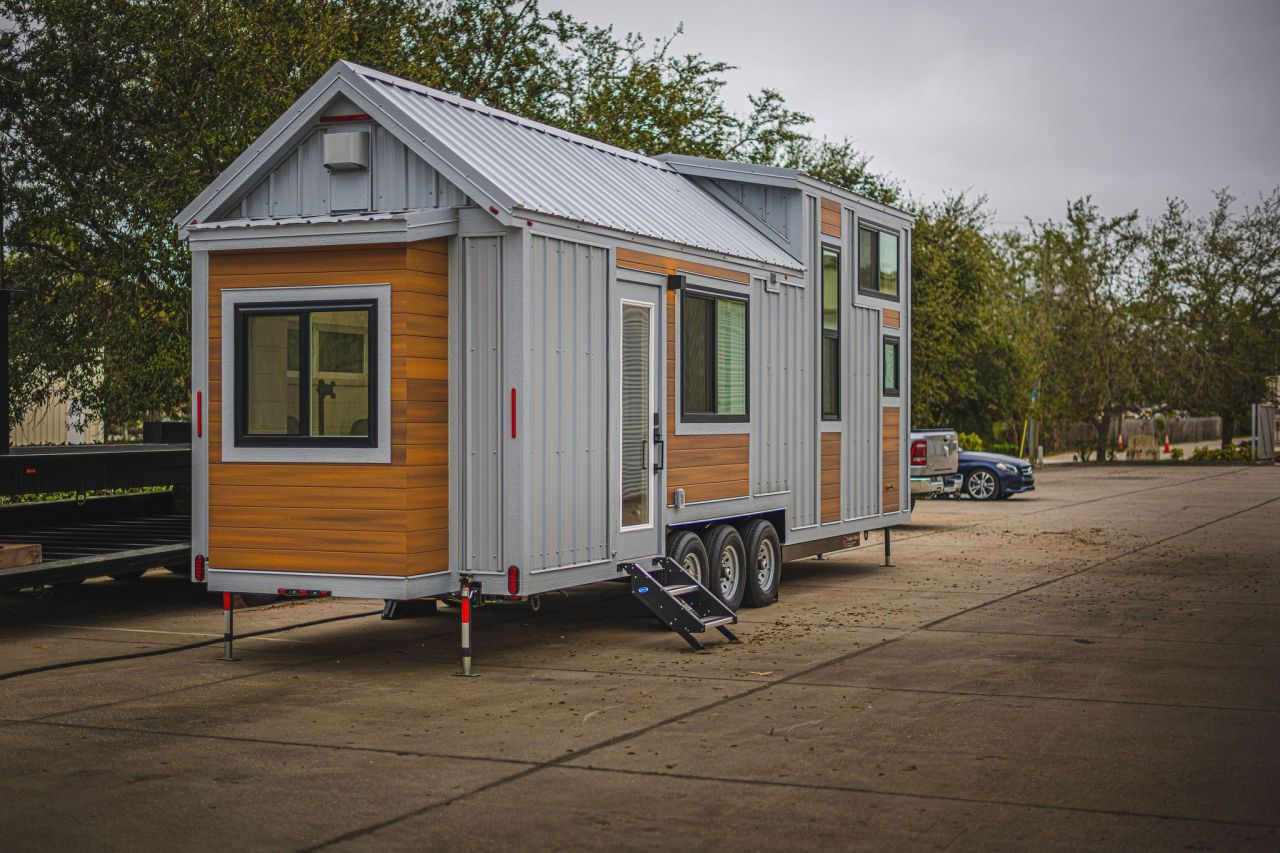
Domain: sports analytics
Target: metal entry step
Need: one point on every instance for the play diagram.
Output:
(679, 601)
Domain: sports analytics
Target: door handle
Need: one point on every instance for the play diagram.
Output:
(659, 445)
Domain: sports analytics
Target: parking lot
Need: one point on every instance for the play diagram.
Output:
(1093, 665)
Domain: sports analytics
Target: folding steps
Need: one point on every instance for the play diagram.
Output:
(679, 601)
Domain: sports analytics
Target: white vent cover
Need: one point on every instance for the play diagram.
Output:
(346, 152)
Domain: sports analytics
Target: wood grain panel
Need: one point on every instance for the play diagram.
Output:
(892, 318)
(831, 476)
(708, 467)
(357, 519)
(890, 487)
(646, 262)
(830, 217)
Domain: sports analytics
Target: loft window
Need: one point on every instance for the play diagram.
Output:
(892, 361)
(306, 374)
(713, 358)
(877, 262)
(830, 334)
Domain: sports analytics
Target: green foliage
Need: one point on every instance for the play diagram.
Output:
(1176, 454)
(969, 357)
(1006, 449)
(969, 441)
(1230, 453)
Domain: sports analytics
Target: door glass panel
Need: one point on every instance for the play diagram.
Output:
(340, 373)
(272, 396)
(636, 414)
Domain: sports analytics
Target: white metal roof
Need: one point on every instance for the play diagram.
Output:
(543, 169)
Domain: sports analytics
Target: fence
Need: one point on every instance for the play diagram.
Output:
(1181, 430)
(56, 422)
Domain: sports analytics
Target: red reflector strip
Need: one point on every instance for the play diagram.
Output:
(348, 117)
(513, 413)
(199, 414)
(304, 593)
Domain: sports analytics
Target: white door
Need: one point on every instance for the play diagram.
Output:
(640, 445)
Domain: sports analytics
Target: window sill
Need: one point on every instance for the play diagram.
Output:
(713, 427)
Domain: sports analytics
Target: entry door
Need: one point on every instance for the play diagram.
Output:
(640, 444)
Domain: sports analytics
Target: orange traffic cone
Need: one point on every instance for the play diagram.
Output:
(1120, 442)
(1166, 442)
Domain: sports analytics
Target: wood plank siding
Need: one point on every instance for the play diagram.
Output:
(890, 485)
(830, 217)
(707, 467)
(831, 474)
(646, 262)
(892, 319)
(344, 518)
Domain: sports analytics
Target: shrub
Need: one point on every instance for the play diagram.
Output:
(1235, 453)
(1006, 449)
(969, 441)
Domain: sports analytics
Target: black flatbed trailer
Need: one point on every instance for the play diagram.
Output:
(84, 467)
(95, 537)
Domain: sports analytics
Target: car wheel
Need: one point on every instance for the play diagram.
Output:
(687, 549)
(981, 484)
(764, 563)
(727, 558)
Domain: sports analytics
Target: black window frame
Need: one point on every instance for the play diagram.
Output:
(712, 296)
(896, 391)
(825, 334)
(863, 225)
(303, 309)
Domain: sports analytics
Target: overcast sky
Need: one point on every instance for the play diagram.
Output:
(1032, 103)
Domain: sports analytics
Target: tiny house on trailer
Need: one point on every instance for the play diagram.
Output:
(437, 345)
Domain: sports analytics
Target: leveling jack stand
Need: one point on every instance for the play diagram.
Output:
(228, 628)
(888, 564)
(466, 594)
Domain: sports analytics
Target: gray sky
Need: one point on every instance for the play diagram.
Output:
(1032, 103)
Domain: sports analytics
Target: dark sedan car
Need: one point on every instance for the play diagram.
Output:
(988, 476)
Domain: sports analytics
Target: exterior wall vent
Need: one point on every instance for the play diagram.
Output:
(346, 152)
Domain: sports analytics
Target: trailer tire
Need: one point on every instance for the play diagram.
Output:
(686, 548)
(727, 564)
(764, 563)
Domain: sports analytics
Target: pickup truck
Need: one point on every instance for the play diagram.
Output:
(935, 463)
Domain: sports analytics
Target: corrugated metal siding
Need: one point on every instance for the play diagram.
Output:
(776, 208)
(567, 405)
(549, 171)
(483, 412)
(300, 185)
(862, 438)
(782, 389)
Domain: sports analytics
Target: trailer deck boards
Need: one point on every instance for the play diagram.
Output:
(101, 536)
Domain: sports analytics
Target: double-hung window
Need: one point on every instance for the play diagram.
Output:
(713, 358)
(306, 374)
(877, 262)
(830, 334)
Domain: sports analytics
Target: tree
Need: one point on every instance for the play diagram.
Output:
(1096, 342)
(116, 113)
(969, 364)
(1222, 274)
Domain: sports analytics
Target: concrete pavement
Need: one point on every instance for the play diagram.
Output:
(1092, 666)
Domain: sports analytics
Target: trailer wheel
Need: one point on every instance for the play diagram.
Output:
(728, 563)
(764, 561)
(687, 549)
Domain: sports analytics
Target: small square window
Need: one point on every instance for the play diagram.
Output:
(877, 261)
(306, 374)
